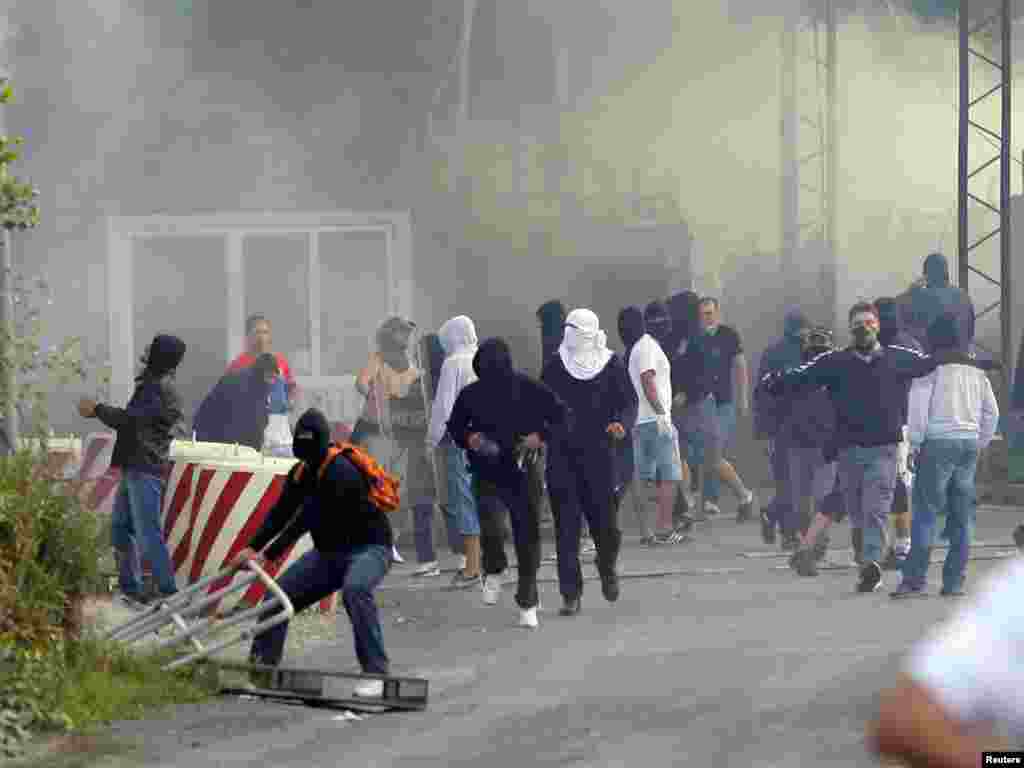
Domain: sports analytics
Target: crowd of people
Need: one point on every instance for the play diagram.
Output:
(892, 423)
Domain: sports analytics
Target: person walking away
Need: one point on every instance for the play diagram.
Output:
(237, 408)
(393, 421)
(953, 416)
(893, 333)
(770, 416)
(551, 320)
(726, 368)
(655, 441)
(501, 419)
(631, 329)
(278, 436)
(145, 427)
(325, 495)
(958, 693)
(683, 311)
(592, 381)
(459, 341)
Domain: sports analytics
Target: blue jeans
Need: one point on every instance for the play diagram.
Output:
(867, 476)
(461, 499)
(725, 415)
(656, 456)
(135, 532)
(423, 515)
(945, 478)
(314, 576)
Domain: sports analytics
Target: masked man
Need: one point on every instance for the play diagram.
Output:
(592, 381)
(327, 498)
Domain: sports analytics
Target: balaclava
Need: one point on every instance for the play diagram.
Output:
(312, 438)
(551, 316)
(682, 308)
(631, 327)
(814, 342)
(890, 319)
(493, 361)
(164, 355)
(794, 324)
(936, 270)
(659, 323)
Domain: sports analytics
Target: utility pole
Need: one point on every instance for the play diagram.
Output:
(9, 379)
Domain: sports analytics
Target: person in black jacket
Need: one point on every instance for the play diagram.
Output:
(592, 381)
(501, 420)
(351, 550)
(237, 409)
(145, 428)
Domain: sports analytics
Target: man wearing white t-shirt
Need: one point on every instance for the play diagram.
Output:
(655, 441)
(962, 685)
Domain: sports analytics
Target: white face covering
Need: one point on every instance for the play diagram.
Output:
(584, 350)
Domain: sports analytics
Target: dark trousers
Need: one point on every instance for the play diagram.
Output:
(316, 575)
(493, 499)
(781, 507)
(581, 482)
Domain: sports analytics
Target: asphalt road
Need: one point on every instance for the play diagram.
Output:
(737, 662)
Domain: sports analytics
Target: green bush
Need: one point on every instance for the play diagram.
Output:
(50, 548)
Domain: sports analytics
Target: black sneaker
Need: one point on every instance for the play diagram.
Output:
(461, 581)
(958, 592)
(870, 577)
(745, 511)
(767, 528)
(609, 584)
(570, 606)
(790, 542)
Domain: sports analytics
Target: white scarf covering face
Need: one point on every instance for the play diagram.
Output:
(584, 350)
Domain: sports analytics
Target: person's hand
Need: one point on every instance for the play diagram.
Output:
(616, 430)
(474, 441)
(242, 559)
(531, 442)
(86, 408)
(664, 422)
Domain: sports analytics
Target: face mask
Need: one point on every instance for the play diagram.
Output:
(864, 337)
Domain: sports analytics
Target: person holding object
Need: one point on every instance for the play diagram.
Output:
(502, 420)
(326, 494)
(145, 428)
(594, 384)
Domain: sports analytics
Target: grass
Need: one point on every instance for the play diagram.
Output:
(99, 683)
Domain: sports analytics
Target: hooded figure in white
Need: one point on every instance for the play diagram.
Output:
(458, 338)
(593, 382)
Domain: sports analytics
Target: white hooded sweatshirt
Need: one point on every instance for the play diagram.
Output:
(458, 338)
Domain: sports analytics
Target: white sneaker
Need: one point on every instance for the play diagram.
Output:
(710, 508)
(528, 618)
(461, 563)
(432, 568)
(371, 689)
(395, 556)
(492, 589)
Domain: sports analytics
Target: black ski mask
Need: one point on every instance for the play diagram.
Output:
(312, 438)
(659, 324)
(163, 355)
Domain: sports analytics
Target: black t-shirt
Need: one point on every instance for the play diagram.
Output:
(716, 353)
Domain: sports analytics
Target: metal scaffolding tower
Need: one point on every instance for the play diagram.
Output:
(809, 143)
(970, 27)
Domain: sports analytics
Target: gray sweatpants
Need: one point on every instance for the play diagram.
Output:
(867, 477)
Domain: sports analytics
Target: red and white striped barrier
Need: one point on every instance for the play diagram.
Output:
(99, 480)
(212, 508)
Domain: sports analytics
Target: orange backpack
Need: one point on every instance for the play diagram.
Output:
(383, 486)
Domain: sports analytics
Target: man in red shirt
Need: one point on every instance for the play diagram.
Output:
(257, 330)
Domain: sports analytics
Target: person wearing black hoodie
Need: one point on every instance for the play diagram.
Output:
(145, 428)
(770, 416)
(593, 382)
(502, 420)
(237, 409)
(351, 550)
(551, 317)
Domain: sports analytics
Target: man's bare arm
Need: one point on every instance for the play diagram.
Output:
(912, 726)
(651, 391)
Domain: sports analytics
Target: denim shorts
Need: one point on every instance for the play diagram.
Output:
(656, 456)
